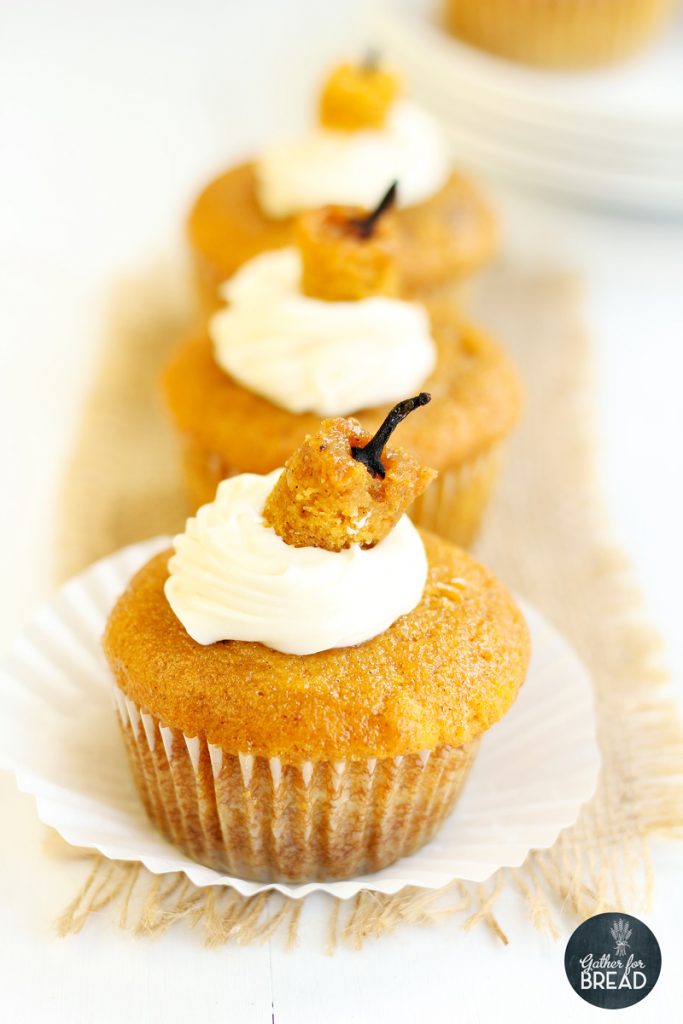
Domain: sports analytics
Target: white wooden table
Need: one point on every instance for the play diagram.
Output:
(112, 115)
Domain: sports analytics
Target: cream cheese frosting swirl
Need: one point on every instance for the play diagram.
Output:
(233, 578)
(308, 355)
(354, 168)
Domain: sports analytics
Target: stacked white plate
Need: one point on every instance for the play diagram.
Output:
(613, 136)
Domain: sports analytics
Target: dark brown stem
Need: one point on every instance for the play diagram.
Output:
(370, 61)
(366, 225)
(371, 454)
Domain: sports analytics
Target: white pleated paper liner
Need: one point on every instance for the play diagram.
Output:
(59, 734)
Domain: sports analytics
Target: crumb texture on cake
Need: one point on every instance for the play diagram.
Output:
(476, 400)
(440, 675)
(357, 97)
(339, 262)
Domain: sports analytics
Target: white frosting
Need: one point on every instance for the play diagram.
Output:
(233, 578)
(355, 168)
(306, 355)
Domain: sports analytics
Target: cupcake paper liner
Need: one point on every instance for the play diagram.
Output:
(59, 734)
(452, 506)
(261, 819)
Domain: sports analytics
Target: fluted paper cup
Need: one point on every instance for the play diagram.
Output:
(261, 819)
(454, 504)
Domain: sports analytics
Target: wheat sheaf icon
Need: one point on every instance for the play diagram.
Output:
(621, 933)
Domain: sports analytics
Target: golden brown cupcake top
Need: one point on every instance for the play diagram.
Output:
(348, 253)
(341, 487)
(441, 674)
(358, 96)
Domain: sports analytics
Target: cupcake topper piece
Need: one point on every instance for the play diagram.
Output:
(371, 453)
(328, 497)
(348, 253)
(366, 225)
(358, 97)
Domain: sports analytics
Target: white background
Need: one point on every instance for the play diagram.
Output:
(113, 114)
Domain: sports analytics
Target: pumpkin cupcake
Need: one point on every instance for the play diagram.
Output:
(368, 135)
(303, 681)
(320, 328)
(558, 33)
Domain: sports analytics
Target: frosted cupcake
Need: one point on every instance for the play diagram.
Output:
(320, 328)
(303, 684)
(368, 135)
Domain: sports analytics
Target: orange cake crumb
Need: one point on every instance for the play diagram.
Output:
(357, 97)
(333, 494)
(349, 253)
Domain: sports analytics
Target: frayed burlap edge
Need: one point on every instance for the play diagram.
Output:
(150, 904)
(545, 537)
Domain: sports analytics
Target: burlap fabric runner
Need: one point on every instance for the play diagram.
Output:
(544, 536)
